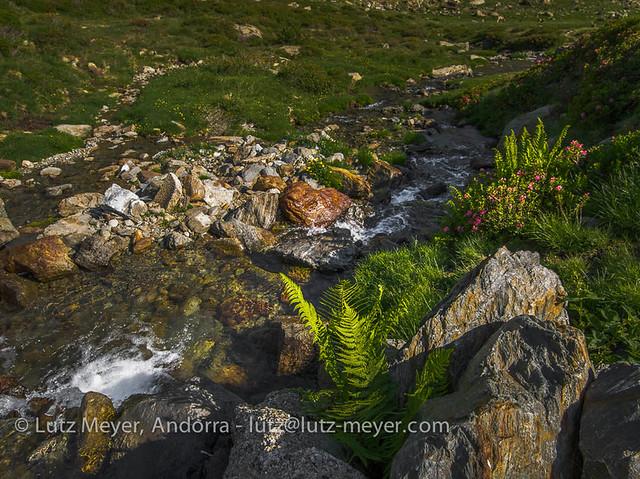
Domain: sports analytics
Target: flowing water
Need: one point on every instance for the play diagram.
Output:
(170, 315)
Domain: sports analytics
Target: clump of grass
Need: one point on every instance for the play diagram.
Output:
(560, 234)
(418, 276)
(617, 202)
(11, 175)
(365, 157)
(398, 158)
(36, 146)
(413, 138)
(321, 171)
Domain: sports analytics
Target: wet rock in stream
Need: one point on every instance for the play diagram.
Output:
(333, 250)
(46, 259)
(144, 453)
(313, 207)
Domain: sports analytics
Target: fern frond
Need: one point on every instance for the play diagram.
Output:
(307, 313)
(431, 381)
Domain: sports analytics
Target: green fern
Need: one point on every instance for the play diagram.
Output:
(351, 329)
(529, 152)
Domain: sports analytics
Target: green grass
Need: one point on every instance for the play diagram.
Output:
(36, 146)
(47, 45)
(11, 175)
(593, 84)
(413, 138)
(617, 201)
(398, 158)
(594, 248)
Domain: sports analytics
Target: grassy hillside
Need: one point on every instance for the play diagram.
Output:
(595, 86)
(61, 61)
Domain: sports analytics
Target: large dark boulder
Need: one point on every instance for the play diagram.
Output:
(333, 250)
(514, 413)
(266, 443)
(157, 449)
(610, 426)
(503, 286)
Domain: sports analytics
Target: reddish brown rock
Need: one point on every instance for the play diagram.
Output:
(46, 259)
(305, 205)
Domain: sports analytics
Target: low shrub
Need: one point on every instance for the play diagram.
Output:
(530, 177)
(321, 171)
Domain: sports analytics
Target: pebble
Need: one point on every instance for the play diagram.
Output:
(50, 171)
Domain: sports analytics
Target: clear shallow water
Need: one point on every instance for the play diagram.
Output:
(165, 316)
(171, 315)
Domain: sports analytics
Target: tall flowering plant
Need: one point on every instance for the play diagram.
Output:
(531, 176)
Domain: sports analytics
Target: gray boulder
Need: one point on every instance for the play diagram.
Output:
(503, 286)
(610, 426)
(251, 173)
(96, 252)
(176, 240)
(8, 232)
(253, 238)
(198, 220)
(121, 200)
(73, 229)
(263, 446)
(79, 203)
(217, 196)
(527, 120)
(333, 250)
(158, 449)
(259, 210)
(514, 413)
